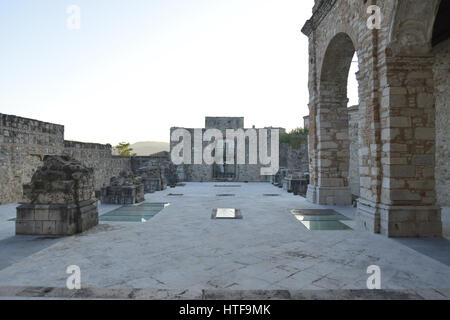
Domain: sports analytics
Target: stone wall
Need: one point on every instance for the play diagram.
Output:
(98, 157)
(442, 92)
(294, 158)
(23, 144)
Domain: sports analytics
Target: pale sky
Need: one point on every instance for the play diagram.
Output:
(138, 67)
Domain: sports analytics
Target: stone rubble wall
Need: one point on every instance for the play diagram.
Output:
(292, 158)
(98, 157)
(23, 143)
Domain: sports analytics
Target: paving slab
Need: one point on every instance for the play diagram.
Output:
(182, 248)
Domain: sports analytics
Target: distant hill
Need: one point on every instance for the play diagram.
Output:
(146, 148)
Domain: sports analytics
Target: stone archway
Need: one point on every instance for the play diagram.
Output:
(397, 131)
(330, 181)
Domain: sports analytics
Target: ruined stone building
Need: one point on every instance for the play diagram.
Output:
(402, 120)
(25, 142)
(289, 157)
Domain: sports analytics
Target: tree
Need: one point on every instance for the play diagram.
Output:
(124, 149)
(295, 137)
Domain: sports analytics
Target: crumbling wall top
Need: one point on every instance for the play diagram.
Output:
(60, 180)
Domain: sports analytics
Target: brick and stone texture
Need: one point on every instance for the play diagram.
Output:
(161, 160)
(23, 144)
(126, 188)
(59, 200)
(100, 158)
(397, 111)
(152, 178)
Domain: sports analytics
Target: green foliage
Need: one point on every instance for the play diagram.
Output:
(123, 149)
(295, 138)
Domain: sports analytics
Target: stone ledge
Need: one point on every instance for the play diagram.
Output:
(319, 14)
(186, 294)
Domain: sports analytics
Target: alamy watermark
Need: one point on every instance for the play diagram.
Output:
(374, 280)
(74, 280)
(231, 149)
(374, 20)
(74, 17)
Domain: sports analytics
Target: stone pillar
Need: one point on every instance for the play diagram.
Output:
(406, 205)
(333, 148)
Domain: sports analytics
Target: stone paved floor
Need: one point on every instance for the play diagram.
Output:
(183, 248)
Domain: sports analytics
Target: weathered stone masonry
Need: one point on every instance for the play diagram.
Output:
(25, 142)
(59, 200)
(397, 111)
(289, 157)
(98, 157)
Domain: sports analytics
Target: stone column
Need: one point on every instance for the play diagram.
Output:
(333, 147)
(406, 205)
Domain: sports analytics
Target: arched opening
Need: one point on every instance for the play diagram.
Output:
(332, 124)
(353, 127)
(441, 28)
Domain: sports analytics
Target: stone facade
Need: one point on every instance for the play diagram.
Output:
(397, 112)
(235, 172)
(59, 200)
